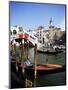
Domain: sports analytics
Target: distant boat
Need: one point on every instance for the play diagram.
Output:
(49, 52)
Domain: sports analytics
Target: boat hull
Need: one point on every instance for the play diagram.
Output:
(41, 69)
(30, 71)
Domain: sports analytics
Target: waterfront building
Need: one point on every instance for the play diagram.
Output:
(15, 31)
(48, 37)
(40, 34)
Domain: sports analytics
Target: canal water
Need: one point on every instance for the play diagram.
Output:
(50, 79)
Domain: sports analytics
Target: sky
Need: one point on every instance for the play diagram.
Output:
(32, 15)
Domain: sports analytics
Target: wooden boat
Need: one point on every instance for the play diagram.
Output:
(45, 69)
(41, 69)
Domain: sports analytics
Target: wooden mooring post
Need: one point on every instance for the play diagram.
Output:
(35, 62)
(14, 53)
(22, 55)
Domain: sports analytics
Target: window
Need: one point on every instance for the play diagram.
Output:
(40, 37)
(14, 32)
(40, 31)
(20, 29)
(40, 34)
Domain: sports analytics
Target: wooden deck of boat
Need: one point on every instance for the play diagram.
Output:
(48, 67)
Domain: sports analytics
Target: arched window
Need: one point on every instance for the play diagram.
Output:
(14, 32)
(20, 29)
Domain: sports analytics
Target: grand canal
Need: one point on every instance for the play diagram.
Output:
(50, 79)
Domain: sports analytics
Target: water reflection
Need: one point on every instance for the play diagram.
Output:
(41, 58)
